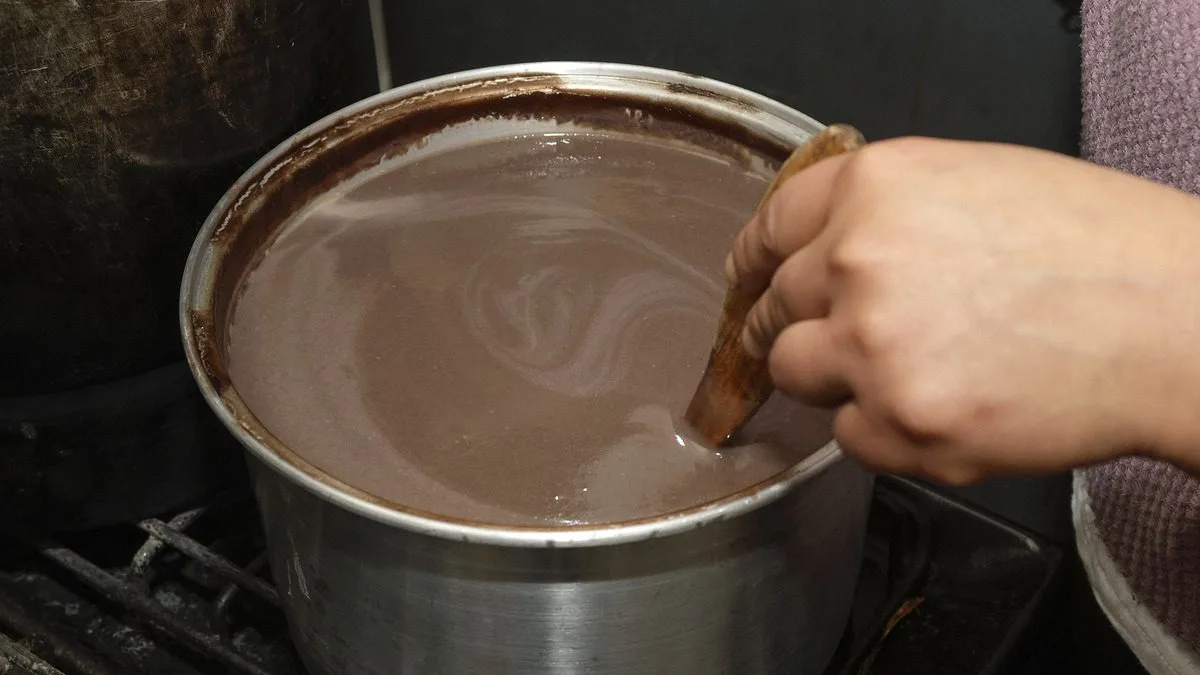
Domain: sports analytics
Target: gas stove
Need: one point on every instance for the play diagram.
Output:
(944, 589)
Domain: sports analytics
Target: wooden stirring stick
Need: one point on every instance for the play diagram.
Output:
(735, 385)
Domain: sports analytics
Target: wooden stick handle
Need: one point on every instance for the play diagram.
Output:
(831, 141)
(735, 385)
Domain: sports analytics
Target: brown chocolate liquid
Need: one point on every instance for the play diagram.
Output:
(508, 333)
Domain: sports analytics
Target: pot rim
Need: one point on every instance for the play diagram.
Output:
(703, 95)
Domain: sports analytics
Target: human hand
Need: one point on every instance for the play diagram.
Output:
(978, 309)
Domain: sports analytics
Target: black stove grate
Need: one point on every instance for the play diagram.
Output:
(942, 586)
(22, 660)
(173, 606)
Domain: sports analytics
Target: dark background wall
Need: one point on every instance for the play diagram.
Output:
(960, 68)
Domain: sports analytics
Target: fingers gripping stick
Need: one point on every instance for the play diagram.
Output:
(735, 383)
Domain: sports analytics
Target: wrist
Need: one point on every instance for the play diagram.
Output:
(1162, 396)
(1170, 426)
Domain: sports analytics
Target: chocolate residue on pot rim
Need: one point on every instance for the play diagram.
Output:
(313, 162)
(700, 92)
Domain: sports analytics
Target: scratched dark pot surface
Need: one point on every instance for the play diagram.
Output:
(756, 583)
(121, 124)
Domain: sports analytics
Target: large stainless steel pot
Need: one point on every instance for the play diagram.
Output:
(759, 582)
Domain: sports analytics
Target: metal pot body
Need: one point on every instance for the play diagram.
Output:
(764, 592)
(758, 582)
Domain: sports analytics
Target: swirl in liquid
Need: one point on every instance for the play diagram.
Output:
(506, 333)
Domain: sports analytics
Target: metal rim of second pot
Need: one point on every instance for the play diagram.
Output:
(706, 96)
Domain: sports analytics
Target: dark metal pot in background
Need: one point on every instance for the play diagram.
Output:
(760, 582)
(121, 123)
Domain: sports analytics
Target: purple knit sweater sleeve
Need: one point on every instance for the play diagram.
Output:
(1141, 114)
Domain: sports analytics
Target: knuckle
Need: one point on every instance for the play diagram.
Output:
(751, 255)
(778, 316)
(882, 159)
(756, 325)
(869, 166)
(850, 255)
(740, 251)
(779, 291)
(769, 317)
(923, 407)
(880, 168)
(754, 321)
(771, 222)
(762, 322)
(873, 332)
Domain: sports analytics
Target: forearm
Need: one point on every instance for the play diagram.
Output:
(1165, 395)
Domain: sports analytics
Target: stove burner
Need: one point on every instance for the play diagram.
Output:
(174, 606)
(943, 587)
